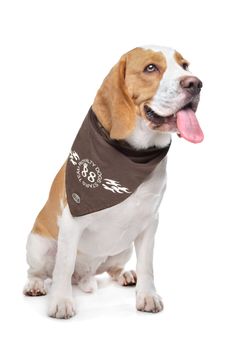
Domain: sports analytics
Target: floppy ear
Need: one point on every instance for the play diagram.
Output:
(113, 106)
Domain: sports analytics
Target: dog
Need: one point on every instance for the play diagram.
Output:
(98, 209)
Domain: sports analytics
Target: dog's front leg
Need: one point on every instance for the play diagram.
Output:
(61, 303)
(146, 297)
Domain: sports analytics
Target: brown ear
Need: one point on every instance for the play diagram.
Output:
(113, 106)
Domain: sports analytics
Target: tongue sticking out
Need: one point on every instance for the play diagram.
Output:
(188, 126)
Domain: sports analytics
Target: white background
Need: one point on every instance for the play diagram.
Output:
(54, 55)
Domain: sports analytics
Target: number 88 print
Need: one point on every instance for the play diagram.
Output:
(91, 177)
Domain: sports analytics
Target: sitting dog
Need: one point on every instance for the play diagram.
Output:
(106, 196)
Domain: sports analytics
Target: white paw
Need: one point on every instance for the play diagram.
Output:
(127, 278)
(149, 302)
(88, 284)
(61, 308)
(34, 288)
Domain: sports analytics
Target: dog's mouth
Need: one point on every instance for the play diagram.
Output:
(183, 122)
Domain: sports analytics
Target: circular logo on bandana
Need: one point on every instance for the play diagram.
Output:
(88, 173)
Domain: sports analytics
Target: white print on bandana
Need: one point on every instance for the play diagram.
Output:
(114, 186)
(74, 157)
(88, 173)
(90, 176)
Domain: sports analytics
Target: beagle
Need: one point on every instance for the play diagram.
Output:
(106, 196)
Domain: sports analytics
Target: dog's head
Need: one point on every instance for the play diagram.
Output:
(151, 91)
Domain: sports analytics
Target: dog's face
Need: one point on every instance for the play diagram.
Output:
(155, 84)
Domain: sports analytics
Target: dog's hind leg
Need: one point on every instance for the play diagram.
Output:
(114, 266)
(41, 252)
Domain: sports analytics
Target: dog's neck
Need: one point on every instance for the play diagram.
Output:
(142, 137)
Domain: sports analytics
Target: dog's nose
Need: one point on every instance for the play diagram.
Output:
(191, 84)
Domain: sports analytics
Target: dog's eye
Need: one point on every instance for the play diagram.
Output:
(185, 66)
(151, 68)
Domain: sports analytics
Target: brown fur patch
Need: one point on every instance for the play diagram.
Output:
(180, 59)
(143, 86)
(113, 106)
(126, 88)
(46, 221)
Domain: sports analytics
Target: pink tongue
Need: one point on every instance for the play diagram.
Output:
(188, 126)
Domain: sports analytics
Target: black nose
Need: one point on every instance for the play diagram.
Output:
(191, 84)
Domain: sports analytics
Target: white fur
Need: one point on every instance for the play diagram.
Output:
(40, 257)
(61, 300)
(144, 137)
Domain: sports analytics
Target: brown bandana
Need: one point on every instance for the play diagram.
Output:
(102, 172)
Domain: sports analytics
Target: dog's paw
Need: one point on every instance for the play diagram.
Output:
(88, 284)
(34, 288)
(61, 308)
(127, 278)
(149, 302)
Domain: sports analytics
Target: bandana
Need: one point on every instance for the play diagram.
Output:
(102, 172)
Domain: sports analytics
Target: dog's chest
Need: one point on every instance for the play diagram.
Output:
(112, 230)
